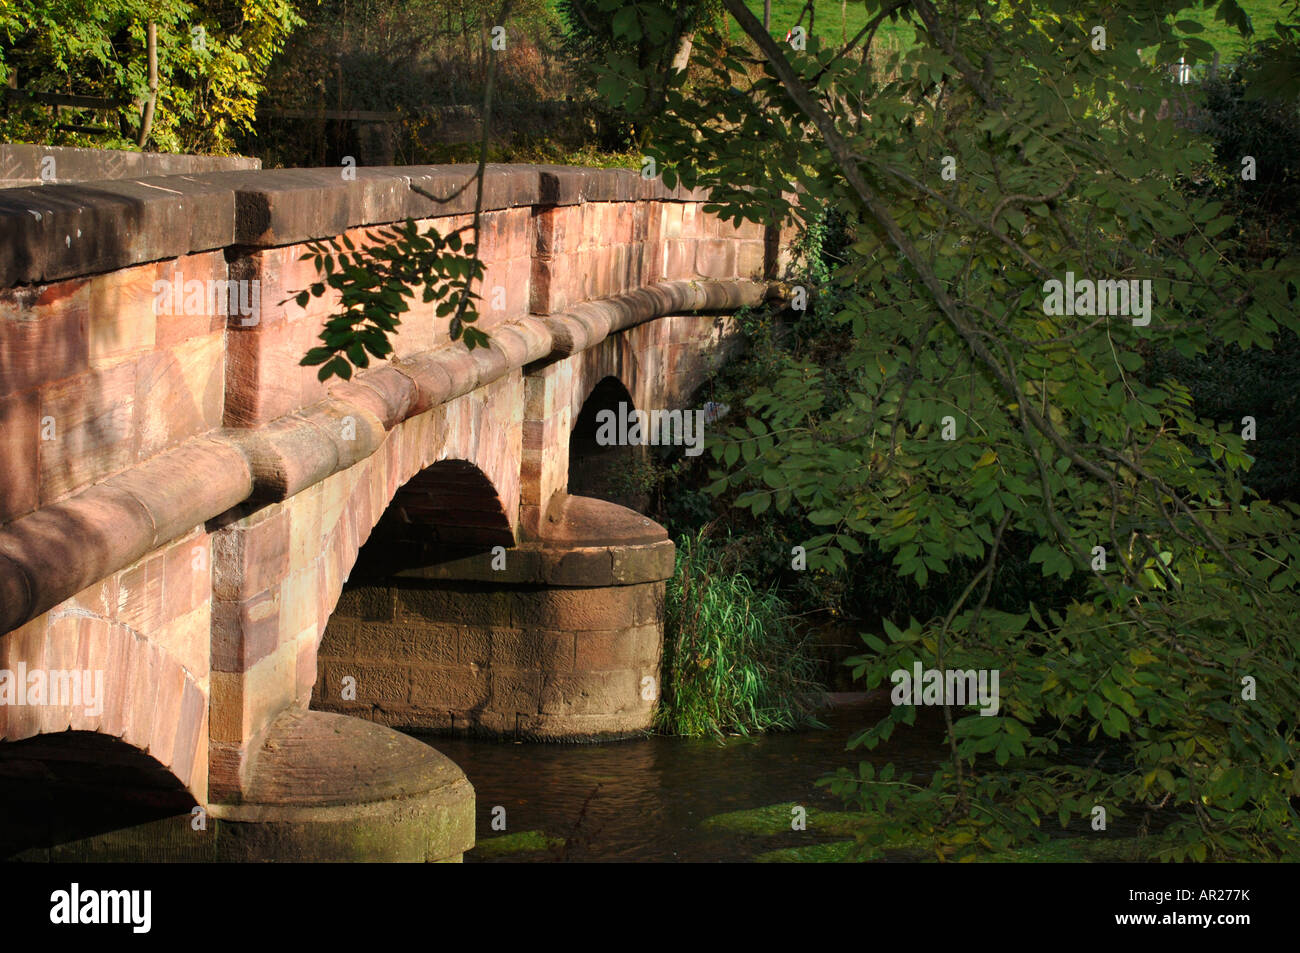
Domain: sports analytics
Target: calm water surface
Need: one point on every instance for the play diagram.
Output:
(644, 800)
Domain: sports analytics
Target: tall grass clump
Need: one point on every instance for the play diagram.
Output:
(733, 663)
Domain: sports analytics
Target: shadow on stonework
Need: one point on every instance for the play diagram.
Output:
(84, 796)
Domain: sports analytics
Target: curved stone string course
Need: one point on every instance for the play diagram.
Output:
(182, 503)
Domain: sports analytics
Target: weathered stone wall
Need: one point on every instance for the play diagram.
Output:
(92, 381)
(265, 380)
(597, 250)
(527, 662)
(147, 628)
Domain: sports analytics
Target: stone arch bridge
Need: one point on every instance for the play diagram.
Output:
(189, 623)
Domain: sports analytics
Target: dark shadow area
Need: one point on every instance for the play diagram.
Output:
(619, 474)
(447, 511)
(60, 788)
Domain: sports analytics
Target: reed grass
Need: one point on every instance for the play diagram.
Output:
(733, 663)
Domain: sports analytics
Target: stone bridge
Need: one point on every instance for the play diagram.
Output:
(189, 616)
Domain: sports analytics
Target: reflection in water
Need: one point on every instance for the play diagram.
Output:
(645, 800)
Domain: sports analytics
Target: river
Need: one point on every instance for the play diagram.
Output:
(647, 799)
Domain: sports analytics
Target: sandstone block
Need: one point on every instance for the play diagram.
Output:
(449, 688)
(198, 306)
(339, 640)
(179, 393)
(88, 429)
(629, 649)
(253, 557)
(187, 639)
(262, 373)
(190, 746)
(144, 666)
(141, 602)
(123, 317)
(43, 334)
(171, 692)
(19, 454)
(515, 691)
(245, 632)
(368, 603)
(381, 681)
(591, 693)
(465, 605)
(577, 609)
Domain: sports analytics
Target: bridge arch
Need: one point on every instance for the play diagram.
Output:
(454, 472)
(79, 785)
(597, 468)
(80, 673)
(395, 648)
(280, 568)
(451, 502)
(602, 371)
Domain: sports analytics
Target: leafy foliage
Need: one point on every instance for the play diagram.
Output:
(630, 51)
(1276, 73)
(1165, 691)
(374, 282)
(1229, 383)
(595, 30)
(212, 57)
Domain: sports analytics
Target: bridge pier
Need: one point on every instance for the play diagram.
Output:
(324, 787)
(558, 639)
(321, 788)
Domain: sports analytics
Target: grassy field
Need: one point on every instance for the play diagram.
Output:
(834, 20)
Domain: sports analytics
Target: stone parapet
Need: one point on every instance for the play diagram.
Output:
(24, 165)
(60, 231)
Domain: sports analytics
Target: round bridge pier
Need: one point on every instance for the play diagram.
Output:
(320, 788)
(555, 639)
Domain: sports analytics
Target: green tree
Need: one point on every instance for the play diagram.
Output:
(1016, 145)
(212, 57)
